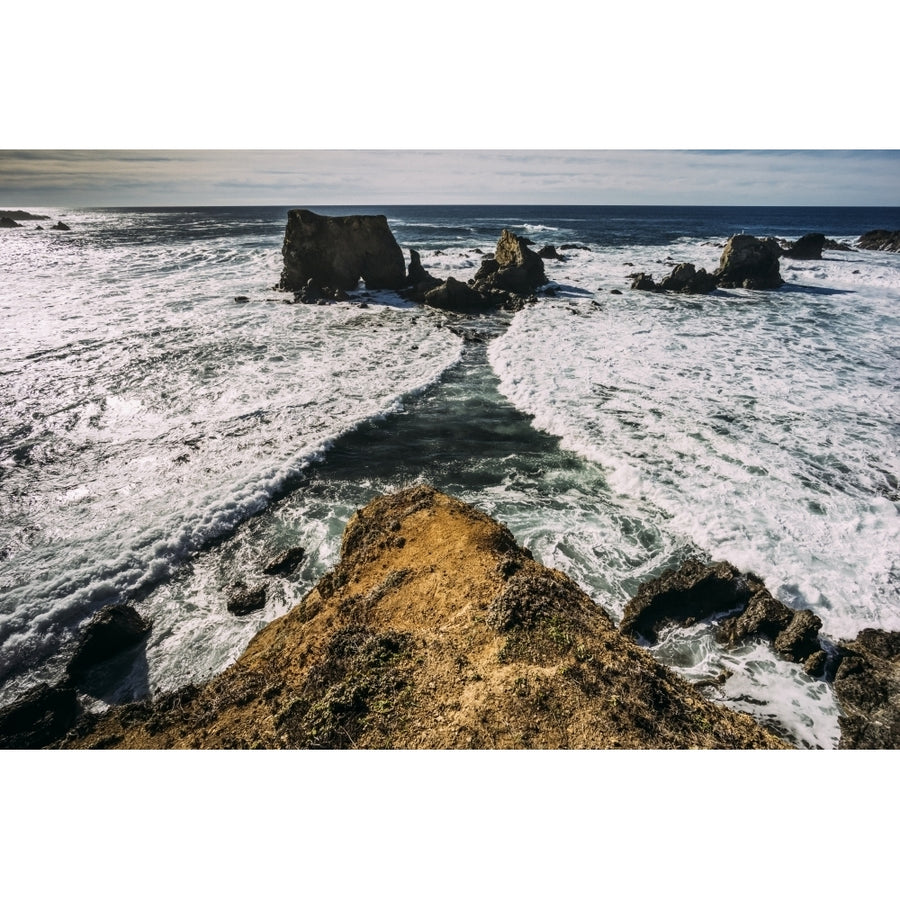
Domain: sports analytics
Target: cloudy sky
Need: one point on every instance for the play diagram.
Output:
(366, 177)
(692, 75)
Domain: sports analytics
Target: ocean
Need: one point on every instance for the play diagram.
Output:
(160, 442)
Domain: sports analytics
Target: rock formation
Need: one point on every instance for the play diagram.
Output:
(434, 630)
(110, 631)
(338, 251)
(506, 279)
(810, 246)
(39, 717)
(7, 222)
(696, 591)
(19, 215)
(60, 226)
(879, 239)
(748, 262)
(867, 686)
(515, 267)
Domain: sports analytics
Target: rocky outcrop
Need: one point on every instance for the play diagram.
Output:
(286, 562)
(684, 279)
(506, 279)
(867, 687)
(879, 239)
(60, 226)
(19, 215)
(696, 591)
(456, 296)
(243, 600)
(514, 268)
(111, 630)
(831, 244)
(435, 630)
(338, 251)
(748, 262)
(7, 222)
(810, 246)
(39, 717)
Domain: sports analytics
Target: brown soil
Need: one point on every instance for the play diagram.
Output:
(435, 630)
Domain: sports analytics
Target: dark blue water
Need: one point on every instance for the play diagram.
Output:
(440, 225)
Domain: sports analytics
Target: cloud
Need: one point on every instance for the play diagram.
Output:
(365, 177)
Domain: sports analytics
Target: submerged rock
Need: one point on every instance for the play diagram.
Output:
(338, 251)
(867, 687)
(435, 630)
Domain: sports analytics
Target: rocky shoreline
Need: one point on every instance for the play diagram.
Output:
(437, 630)
(365, 659)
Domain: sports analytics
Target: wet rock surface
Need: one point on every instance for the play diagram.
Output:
(867, 686)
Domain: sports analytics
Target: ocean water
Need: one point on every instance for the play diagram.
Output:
(159, 442)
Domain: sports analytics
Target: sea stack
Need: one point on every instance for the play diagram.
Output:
(338, 251)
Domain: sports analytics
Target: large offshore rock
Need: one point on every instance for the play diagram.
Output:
(514, 268)
(748, 262)
(338, 251)
(434, 630)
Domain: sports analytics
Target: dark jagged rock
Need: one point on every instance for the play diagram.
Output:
(7, 222)
(60, 226)
(810, 246)
(838, 245)
(38, 718)
(643, 282)
(573, 247)
(514, 268)
(243, 600)
(684, 595)
(110, 631)
(241, 298)
(696, 591)
(548, 251)
(19, 215)
(456, 296)
(880, 239)
(339, 250)
(748, 262)
(800, 639)
(419, 281)
(685, 279)
(285, 563)
(867, 686)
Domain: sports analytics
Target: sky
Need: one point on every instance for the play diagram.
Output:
(74, 178)
(392, 103)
